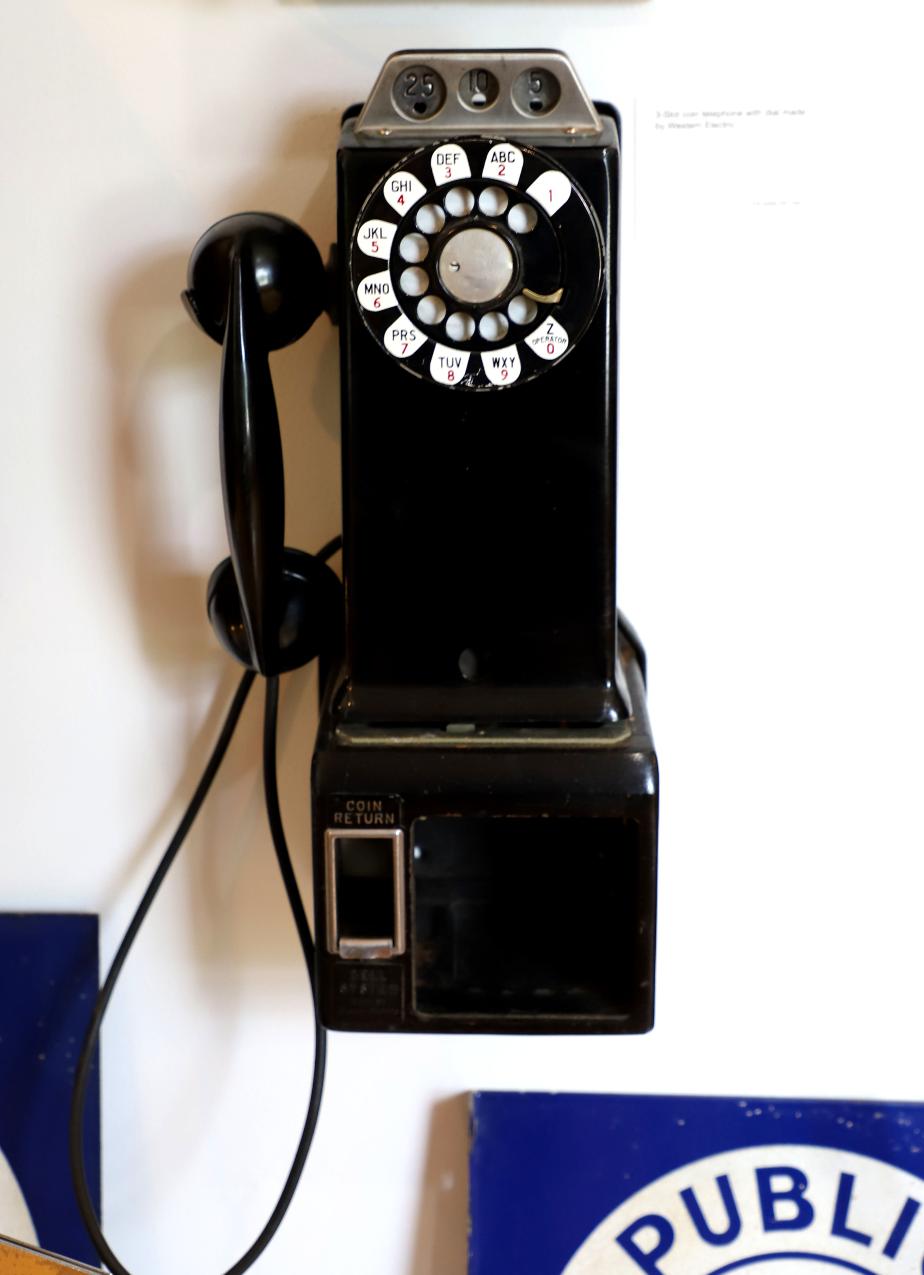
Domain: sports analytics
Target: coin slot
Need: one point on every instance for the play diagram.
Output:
(536, 91)
(419, 92)
(478, 89)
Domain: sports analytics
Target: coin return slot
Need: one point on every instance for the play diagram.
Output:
(365, 893)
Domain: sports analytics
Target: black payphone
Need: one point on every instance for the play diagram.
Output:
(484, 791)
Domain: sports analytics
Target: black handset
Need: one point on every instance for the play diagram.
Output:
(484, 782)
(256, 284)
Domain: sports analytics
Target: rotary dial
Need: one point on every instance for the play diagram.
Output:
(477, 264)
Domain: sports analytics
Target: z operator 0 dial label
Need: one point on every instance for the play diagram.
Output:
(478, 264)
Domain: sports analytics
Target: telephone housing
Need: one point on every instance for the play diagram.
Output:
(484, 784)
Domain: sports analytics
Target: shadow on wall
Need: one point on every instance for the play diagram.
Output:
(160, 507)
(441, 1242)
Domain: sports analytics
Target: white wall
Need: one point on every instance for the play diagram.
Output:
(770, 551)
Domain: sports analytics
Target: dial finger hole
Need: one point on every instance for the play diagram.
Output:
(431, 310)
(522, 309)
(460, 326)
(493, 201)
(522, 218)
(430, 219)
(414, 281)
(459, 201)
(413, 248)
(493, 326)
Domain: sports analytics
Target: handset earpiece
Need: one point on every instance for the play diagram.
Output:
(256, 283)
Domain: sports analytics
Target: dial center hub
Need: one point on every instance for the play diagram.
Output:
(476, 266)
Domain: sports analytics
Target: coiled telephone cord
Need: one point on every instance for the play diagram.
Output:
(306, 941)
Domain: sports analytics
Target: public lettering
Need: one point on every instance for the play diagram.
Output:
(783, 1197)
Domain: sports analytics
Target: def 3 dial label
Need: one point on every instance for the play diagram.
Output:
(477, 264)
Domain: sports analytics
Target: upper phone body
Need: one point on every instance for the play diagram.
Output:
(478, 248)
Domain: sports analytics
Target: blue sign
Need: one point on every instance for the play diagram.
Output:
(48, 982)
(578, 1184)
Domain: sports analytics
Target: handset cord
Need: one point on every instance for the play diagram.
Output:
(286, 871)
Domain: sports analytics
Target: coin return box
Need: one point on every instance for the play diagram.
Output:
(365, 893)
